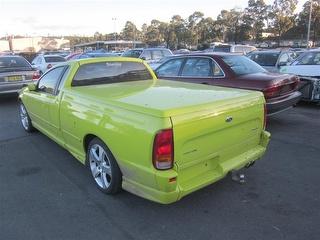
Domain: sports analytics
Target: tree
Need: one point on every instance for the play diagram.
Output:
(130, 32)
(193, 26)
(233, 26)
(98, 36)
(181, 32)
(282, 13)
(303, 19)
(207, 31)
(256, 15)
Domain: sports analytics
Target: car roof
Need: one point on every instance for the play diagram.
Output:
(269, 51)
(207, 54)
(51, 55)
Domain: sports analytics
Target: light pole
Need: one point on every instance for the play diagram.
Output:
(309, 24)
(114, 19)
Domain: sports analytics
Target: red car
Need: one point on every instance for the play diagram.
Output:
(236, 71)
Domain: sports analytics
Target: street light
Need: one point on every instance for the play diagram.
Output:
(114, 19)
(309, 24)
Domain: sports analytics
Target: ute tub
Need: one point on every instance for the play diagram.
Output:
(170, 192)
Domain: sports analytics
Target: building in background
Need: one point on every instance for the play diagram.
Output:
(34, 44)
(116, 45)
(4, 46)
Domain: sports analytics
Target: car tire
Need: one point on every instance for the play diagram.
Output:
(25, 119)
(103, 167)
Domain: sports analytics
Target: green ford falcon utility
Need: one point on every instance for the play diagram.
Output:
(158, 139)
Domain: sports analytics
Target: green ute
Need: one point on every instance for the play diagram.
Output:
(158, 139)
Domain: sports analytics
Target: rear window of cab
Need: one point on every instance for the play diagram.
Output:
(110, 72)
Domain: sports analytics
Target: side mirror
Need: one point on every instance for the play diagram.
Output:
(32, 87)
(33, 64)
(143, 58)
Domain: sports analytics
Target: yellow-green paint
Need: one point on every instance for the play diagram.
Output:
(126, 116)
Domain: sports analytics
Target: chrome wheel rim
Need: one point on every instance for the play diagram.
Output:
(24, 117)
(100, 166)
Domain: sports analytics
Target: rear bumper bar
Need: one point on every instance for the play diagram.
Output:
(283, 104)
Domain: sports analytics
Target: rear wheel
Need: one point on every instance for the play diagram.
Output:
(104, 168)
(25, 119)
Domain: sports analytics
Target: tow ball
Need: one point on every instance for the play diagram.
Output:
(238, 176)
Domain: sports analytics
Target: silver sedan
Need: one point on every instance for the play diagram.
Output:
(15, 71)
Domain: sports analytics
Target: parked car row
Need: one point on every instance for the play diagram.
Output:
(188, 123)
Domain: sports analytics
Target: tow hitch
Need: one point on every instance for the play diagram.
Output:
(238, 176)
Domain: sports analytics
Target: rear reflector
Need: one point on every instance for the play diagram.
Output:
(163, 150)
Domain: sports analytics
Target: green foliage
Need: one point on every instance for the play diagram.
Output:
(234, 25)
(303, 18)
(256, 15)
(282, 15)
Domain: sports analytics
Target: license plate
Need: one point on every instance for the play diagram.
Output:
(15, 78)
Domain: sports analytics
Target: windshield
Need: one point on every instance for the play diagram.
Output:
(14, 63)
(308, 58)
(110, 72)
(132, 53)
(242, 65)
(54, 59)
(265, 58)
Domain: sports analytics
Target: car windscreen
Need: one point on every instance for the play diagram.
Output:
(242, 65)
(132, 53)
(222, 48)
(265, 59)
(16, 63)
(110, 72)
(308, 58)
(54, 59)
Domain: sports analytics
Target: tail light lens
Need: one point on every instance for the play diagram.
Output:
(265, 117)
(163, 150)
(272, 91)
(35, 76)
(49, 66)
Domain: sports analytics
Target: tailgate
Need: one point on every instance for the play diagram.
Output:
(209, 143)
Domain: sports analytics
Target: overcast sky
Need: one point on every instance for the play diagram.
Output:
(84, 17)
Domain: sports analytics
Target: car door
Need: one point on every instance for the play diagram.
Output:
(43, 104)
(203, 70)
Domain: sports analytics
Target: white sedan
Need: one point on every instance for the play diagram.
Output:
(44, 62)
(307, 67)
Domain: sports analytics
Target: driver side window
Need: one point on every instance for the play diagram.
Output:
(49, 81)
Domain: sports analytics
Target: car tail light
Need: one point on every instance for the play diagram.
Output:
(272, 91)
(35, 76)
(163, 150)
(49, 66)
(265, 117)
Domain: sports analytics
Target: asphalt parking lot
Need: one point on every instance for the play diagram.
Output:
(46, 194)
